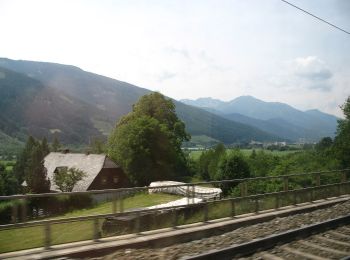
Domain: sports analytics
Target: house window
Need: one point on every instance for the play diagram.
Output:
(103, 180)
(115, 179)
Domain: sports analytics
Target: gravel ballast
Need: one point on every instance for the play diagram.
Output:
(238, 236)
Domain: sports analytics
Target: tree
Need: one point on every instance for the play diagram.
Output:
(147, 141)
(97, 146)
(262, 163)
(232, 166)
(36, 173)
(323, 144)
(45, 147)
(8, 182)
(208, 162)
(55, 145)
(66, 178)
(21, 164)
(342, 139)
(30, 166)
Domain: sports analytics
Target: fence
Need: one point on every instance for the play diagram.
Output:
(145, 219)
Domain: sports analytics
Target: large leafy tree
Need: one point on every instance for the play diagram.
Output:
(342, 139)
(147, 141)
(66, 178)
(232, 166)
(209, 160)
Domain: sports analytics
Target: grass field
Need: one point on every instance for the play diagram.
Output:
(23, 238)
(196, 154)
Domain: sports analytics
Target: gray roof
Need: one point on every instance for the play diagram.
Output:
(91, 164)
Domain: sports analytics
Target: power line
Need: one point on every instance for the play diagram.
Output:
(316, 17)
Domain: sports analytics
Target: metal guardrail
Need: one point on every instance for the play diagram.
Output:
(119, 190)
(46, 223)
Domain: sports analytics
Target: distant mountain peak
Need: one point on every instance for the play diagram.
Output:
(208, 98)
(274, 116)
(247, 97)
(207, 102)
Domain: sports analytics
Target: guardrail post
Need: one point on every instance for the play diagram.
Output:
(285, 183)
(121, 203)
(193, 193)
(243, 187)
(233, 208)
(14, 212)
(256, 204)
(188, 194)
(24, 209)
(114, 203)
(343, 176)
(137, 222)
(96, 229)
(277, 202)
(318, 179)
(310, 195)
(175, 220)
(294, 197)
(47, 242)
(205, 212)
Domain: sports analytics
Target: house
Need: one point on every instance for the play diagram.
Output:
(101, 171)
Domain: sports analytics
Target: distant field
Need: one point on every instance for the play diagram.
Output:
(196, 154)
(278, 153)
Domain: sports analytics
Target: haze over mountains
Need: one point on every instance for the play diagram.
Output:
(273, 117)
(48, 99)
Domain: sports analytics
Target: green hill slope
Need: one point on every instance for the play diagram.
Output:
(29, 107)
(90, 105)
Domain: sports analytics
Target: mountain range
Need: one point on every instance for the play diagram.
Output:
(273, 117)
(49, 99)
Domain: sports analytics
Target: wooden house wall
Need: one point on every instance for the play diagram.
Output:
(107, 177)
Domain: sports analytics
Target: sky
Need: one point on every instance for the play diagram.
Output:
(194, 48)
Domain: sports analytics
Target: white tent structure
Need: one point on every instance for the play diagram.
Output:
(200, 192)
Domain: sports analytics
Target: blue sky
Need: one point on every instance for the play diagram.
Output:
(191, 49)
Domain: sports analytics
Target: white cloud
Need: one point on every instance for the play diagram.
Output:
(311, 72)
(312, 67)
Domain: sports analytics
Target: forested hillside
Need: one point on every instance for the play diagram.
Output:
(77, 106)
(29, 107)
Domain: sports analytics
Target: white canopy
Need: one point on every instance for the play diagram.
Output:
(199, 191)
